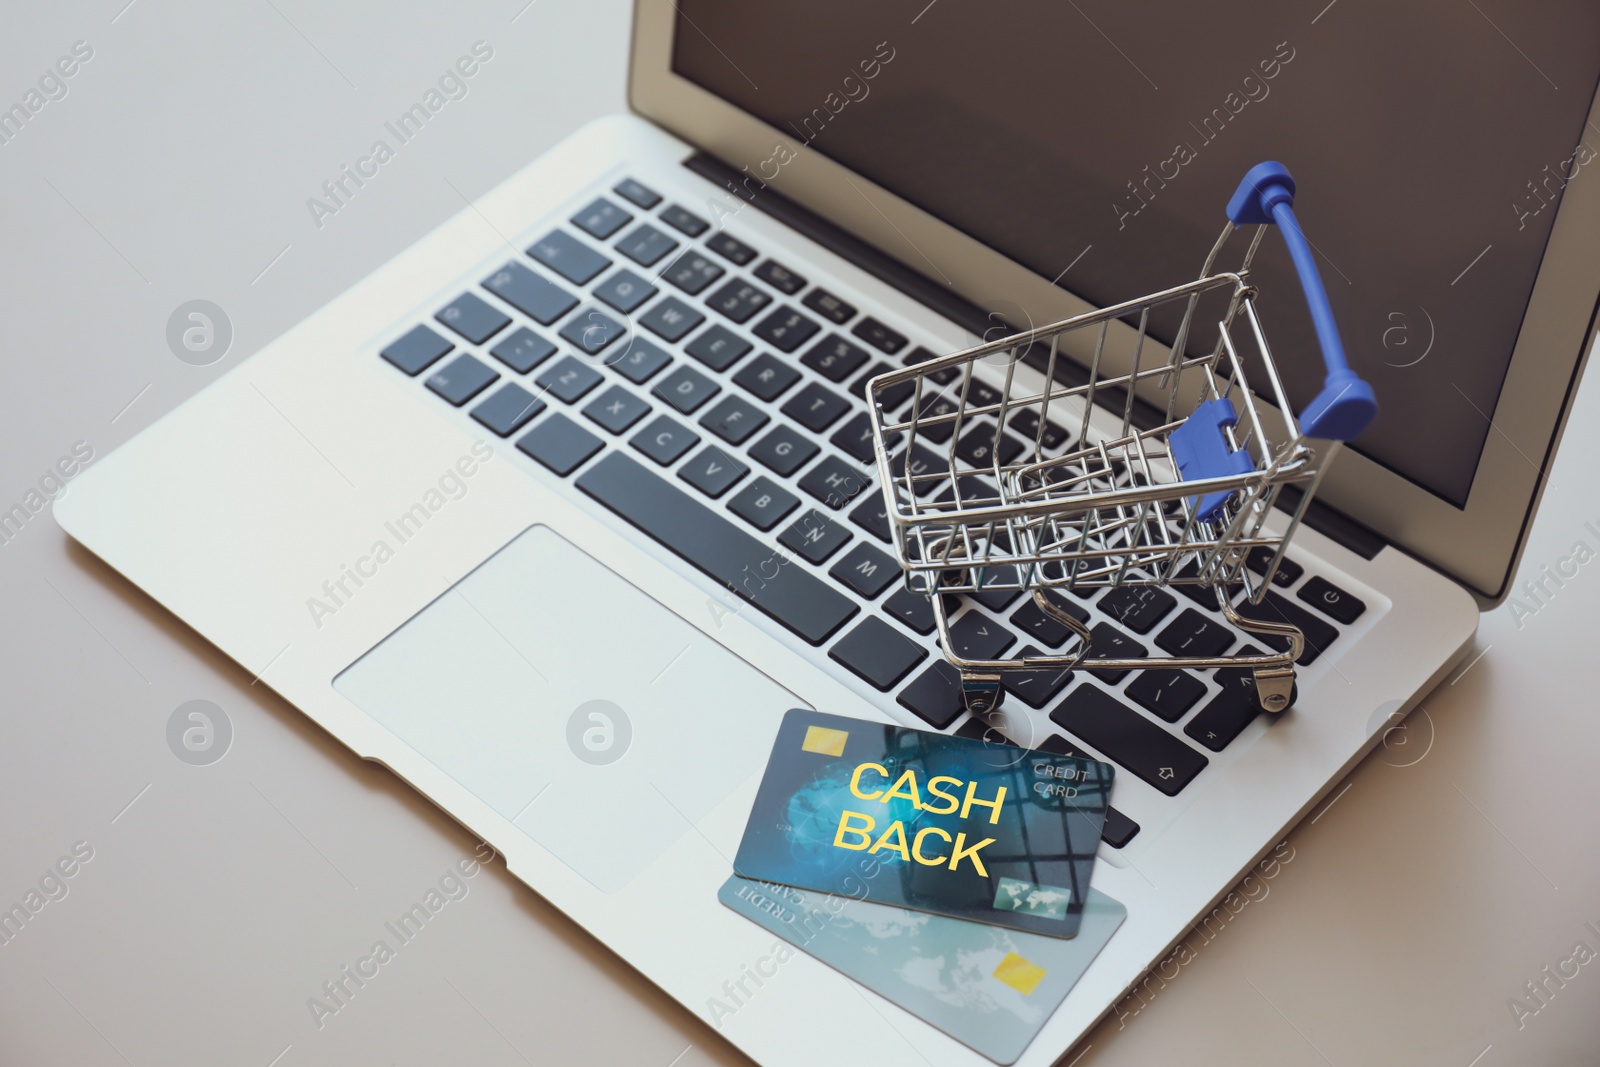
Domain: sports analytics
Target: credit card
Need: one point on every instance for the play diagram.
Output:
(989, 988)
(982, 832)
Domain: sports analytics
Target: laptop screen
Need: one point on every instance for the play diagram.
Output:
(1096, 143)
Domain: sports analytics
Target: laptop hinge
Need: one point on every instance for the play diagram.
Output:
(1322, 517)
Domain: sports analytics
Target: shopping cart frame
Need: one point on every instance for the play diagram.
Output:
(1031, 530)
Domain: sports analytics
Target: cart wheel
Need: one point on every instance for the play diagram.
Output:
(1294, 694)
(981, 692)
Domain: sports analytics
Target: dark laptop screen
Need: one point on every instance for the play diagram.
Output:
(1431, 141)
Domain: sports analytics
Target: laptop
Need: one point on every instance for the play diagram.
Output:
(557, 513)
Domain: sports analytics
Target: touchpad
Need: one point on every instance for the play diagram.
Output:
(599, 722)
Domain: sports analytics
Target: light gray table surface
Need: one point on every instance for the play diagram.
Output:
(1451, 868)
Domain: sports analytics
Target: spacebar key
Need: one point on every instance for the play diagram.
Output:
(752, 570)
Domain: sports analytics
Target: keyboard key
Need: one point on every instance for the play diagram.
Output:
(686, 389)
(1128, 739)
(472, 318)
(879, 336)
(522, 350)
(461, 379)
(835, 482)
(684, 221)
(1118, 829)
(418, 350)
(912, 608)
(877, 654)
(1032, 620)
(1204, 595)
(1166, 694)
(972, 491)
(568, 380)
(645, 245)
(979, 448)
(734, 419)
(508, 409)
(1035, 688)
(923, 355)
(976, 729)
(718, 348)
(1108, 642)
(535, 296)
(934, 696)
(783, 450)
(641, 195)
(616, 409)
(692, 272)
(568, 257)
(738, 300)
(1288, 573)
(1230, 711)
(936, 406)
(1191, 634)
(997, 599)
(923, 466)
(872, 516)
(1331, 600)
(639, 360)
(785, 329)
(763, 503)
(625, 291)
(591, 331)
(713, 471)
(976, 636)
(1026, 423)
(829, 306)
(889, 398)
(767, 377)
(560, 444)
(816, 408)
(1277, 608)
(664, 440)
(866, 570)
(601, 219)
(980, 395)
(671, 318)
(780, 277)
(1139, 607)
(814, 537)
(735, 251)
(794, 597)
(855, 437)
(834, 358)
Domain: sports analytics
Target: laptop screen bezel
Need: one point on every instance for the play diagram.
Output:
(1478, 545)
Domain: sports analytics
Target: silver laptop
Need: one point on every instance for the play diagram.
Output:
(544, 515)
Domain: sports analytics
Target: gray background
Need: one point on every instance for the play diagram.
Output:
(1459, 861)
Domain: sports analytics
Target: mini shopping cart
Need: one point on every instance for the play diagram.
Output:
(1182, 502)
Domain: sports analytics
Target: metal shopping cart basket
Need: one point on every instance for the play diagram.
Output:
(1183, 502)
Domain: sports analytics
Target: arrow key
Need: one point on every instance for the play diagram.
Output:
(976, 636)
(1230, 711)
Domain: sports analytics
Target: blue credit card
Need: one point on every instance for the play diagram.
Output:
(986, 833)
(989, 988)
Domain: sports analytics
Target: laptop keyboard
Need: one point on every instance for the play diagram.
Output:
(665, 369)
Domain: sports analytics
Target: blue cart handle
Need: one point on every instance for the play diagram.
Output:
(1346, 404)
